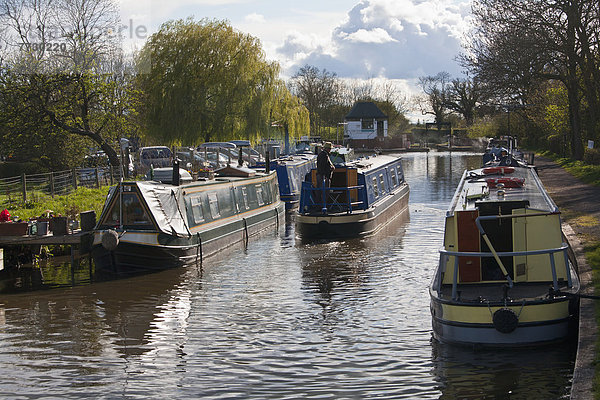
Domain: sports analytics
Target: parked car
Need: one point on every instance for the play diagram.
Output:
(156, 156)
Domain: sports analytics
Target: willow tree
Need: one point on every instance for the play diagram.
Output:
(205, 81)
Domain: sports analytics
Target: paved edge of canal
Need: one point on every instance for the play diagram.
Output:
(575, 199)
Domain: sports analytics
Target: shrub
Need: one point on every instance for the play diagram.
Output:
(592, 156)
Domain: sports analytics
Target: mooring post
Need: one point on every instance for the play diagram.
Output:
(74, 179)
(51, 184)
(97, 178)
(24, 184)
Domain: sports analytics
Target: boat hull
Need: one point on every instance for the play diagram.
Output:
(146, 252)
(535, 323)
(357, 223)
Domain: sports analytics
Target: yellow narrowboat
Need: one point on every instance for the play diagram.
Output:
(504, 276)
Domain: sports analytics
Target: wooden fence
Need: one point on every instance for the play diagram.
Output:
(19, 189)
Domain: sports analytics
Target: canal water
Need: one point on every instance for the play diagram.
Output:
(281, 319)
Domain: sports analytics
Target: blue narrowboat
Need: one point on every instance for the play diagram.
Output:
(291, 171)
(150, 225)
(365, 194)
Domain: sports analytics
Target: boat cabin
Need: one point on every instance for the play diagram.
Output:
(357, 185)
(505, 228)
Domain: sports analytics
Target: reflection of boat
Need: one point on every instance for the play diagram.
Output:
(508, 374)
(149, 225)
(502, 252)
(364, 195)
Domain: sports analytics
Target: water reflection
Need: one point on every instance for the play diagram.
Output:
(346, 319)
(464, 373)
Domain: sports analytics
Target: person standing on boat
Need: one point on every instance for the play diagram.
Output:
(324, 172)
(504, 158)
(324, 166)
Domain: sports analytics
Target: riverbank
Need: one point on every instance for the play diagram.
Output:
(580, 207)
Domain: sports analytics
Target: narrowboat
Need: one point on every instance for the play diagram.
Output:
(291, 171)
(151, 225)
(365, 194)
(504, 276)
(503, 151)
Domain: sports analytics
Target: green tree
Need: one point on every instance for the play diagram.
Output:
(204, 81)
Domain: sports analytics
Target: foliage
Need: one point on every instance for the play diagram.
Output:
(74, 98)
(484, 127)
(320, 92)
(518, 47)
(592, 156)
(205, 81)
(83, 199)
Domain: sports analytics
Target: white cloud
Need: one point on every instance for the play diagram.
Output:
(255, 18)
(377, 35)
(399, 39)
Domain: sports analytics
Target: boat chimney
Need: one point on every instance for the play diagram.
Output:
(175, 180)
(267, 161)
(240, 159)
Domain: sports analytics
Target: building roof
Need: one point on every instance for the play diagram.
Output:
(365, 109)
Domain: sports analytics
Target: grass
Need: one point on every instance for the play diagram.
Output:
(82, 199)
(585, 172)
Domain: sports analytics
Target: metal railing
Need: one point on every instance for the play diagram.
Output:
(20, 189)
(446, 254)
(332, 199)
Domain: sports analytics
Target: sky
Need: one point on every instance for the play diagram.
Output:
(400, 40)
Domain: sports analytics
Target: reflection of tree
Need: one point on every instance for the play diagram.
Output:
(85, 317)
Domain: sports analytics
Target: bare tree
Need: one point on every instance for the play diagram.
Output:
(519, 44)
(319, 90)
(436, 100)
(62, 65)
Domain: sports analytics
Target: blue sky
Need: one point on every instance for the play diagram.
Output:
(400, 40)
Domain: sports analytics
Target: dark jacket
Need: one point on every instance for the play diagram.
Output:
(324, 165)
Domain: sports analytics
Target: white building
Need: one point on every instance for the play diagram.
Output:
(365, 122)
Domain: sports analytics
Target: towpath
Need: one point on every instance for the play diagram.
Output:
(580, 207)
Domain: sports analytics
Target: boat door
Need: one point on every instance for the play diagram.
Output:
(500, 233)
(469, 268)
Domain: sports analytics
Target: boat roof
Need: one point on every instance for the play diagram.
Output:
(365, 164)
(479, 186)
(164, 200)
(293, 159)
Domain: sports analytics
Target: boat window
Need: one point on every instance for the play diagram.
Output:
(259, 195)
(196, 203)
(381, 183)
(214, 205)
(267, 192)
(293, 180)
(375, 190)
(134, 214)
(366, 124)
(245, 197)
(394, 177)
